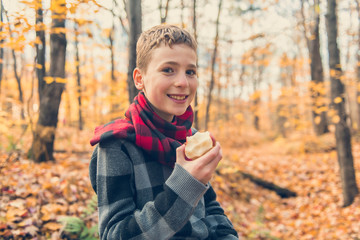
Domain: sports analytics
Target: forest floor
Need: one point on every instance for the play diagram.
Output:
(34, 197)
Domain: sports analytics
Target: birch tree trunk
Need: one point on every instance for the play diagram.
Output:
(342, 131)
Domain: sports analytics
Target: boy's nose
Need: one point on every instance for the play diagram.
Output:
(182, 80)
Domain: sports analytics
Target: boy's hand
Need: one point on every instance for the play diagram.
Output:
(203, 167)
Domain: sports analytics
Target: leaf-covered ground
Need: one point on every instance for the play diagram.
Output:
(316, 212)
(35, 196)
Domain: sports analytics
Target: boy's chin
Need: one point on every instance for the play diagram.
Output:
(179, 113)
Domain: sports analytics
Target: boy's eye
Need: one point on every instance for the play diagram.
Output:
(191, 72)
(168, 70)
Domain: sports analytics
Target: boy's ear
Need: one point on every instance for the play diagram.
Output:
(137, 76)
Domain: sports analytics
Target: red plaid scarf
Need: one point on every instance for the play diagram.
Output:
(148, 130)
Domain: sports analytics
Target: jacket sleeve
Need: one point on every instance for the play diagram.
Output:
(217, 222)
(119, 217)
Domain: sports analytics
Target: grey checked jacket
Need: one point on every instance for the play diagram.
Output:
(139, 198)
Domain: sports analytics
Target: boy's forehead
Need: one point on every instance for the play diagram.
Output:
(177, 54)
(163, 45)
(166, 48)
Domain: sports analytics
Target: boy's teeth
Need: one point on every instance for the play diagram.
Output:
(178, 97)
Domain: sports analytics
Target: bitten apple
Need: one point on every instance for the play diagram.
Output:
(198, 144)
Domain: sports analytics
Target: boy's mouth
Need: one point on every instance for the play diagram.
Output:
(178, 97)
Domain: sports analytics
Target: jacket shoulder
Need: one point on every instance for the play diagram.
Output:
(118, 152)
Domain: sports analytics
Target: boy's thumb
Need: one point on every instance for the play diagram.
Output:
(180, 151)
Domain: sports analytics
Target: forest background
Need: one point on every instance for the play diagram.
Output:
(279, 88)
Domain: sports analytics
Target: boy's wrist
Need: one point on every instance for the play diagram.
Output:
(186, 186)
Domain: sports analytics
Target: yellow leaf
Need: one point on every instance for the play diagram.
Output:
(39, 66)
(338, 100)
(13, 213)
(331, 112)
(333, 72)
(321, 109)
(317, 120)
(48, 79)
(336, 119)
(358, 99)
(60, 80)
(53, 226)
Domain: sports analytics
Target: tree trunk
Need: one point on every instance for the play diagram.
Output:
(113, 87)
(280, 191)
(256, 119)
(1, 43)
(163, 17)
(78, 75)
(44, 135)
(213, 61)
(17, 77)
(358, 69)
(40, 48)
(320, 124)
(228, 102)
(342, 131)
(182, 4)
(135, 29)
(320, 127)
(196, 110)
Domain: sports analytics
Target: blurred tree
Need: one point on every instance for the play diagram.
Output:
(163, 15)
(134, 12)
(196, 109)
(358, 67)
(317, 87)
(44, 134)
(40, 46)
(182, 6)
(213, 62)
(78, 75)
(15, 67)
(258, 55)
(342, 131)
(114, 104)
(1, 43)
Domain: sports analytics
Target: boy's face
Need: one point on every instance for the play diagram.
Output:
(170, 81)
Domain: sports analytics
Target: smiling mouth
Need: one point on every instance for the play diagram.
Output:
(177, 97)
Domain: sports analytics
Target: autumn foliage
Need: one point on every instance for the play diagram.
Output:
(35, 197)
(264, 108)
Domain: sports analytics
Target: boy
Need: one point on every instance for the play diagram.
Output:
(146, 189)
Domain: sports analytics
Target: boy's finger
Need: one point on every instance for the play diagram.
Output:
(180, 151)
(213, 139)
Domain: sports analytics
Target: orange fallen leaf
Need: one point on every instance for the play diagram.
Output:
(53, 226)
